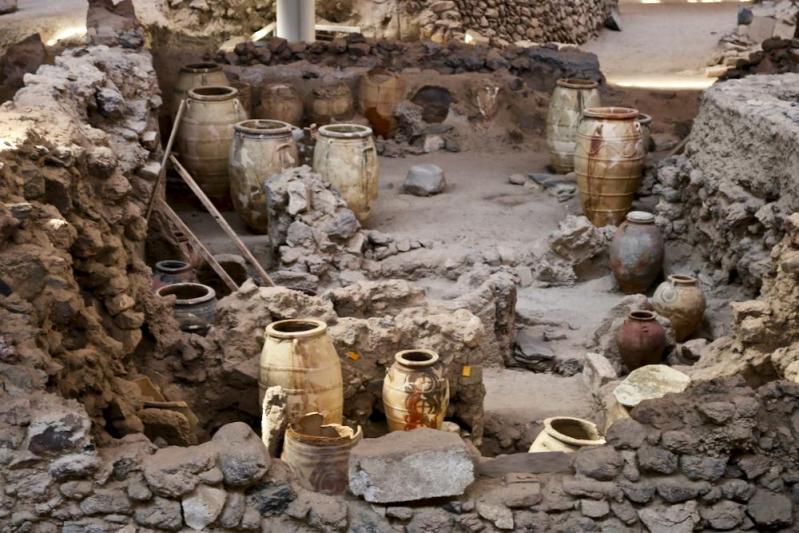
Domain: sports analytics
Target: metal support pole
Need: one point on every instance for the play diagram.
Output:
(296, 20)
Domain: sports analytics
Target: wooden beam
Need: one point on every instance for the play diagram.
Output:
(165, 160)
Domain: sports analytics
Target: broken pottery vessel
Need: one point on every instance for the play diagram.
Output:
(319, 454)
(172, 271)
(281, 101)
(381, 90)
(641, 340)
(299, 356)
(260, 149)
(681, 300)
(608, 161)
(566, 434)
(569, 100)
(415, 391)
(194, 307)
(332, 103)
(345, 156)
(193, 76)
(205, 136)
(636, 253)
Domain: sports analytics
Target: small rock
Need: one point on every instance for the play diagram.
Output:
(501, 516)
(599, 462)
(425, 180)
(654, 459)
(242, 457)
(517, 179)
(769, 510)
(594, 508)
(203, 506)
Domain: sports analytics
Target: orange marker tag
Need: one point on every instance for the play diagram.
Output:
(354, 355)
(467, 371)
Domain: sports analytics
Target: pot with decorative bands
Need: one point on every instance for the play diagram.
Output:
(415, 391)
(322, 462)
(681, 300)
(569, 100)
(195, 75)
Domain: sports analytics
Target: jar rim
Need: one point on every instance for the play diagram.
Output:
(263, 127)
(345, 131)
(417, 358)
(590, 427)
(172, 265)
(296, 328)
(611, 113)
(577, 83)
(641, 315)
(202, 68)
(213, 93)
(640, 217)
(682, 279)
(204, 293)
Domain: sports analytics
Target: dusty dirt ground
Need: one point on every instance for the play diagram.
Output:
(53, 20)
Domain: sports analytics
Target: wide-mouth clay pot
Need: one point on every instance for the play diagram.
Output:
(213, 93)
(417, 358)
(295, 329)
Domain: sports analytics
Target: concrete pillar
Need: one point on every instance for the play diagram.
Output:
(296, 20)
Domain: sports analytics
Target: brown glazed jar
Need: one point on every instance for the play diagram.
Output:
(415, 391)
(681, 300)
(636, 253)
(641, 340)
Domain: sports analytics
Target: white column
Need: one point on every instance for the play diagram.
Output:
(296, 20)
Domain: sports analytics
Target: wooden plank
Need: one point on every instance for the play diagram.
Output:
(165, 159)
(220, 220)
(207, 255)
(335, 28)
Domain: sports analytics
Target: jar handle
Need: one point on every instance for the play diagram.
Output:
(366, 151)
(285, 161)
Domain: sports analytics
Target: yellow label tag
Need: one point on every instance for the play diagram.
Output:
(354, 355)
(467, 371)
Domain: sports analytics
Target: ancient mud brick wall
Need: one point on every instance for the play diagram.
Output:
(729, 195)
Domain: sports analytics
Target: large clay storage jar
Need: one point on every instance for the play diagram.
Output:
(194, 307)
(608, 162)
(260, 149)
(415, 391)
(299, 356)
(281, 101)
(566, 434)
(680, 299)
(345, 156)
(172, 271)
(321, 461)
(206, 134)
(641, 340)
(569, 100)
(636, 253)
(381, 90)
(332, 103)
(193, 76)
(646, 130)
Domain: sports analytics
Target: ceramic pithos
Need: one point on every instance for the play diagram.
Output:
(245, 94)
(345, 156)
(196, 75)
(299, 356)
(566, 434)
(281, 101)
(641, 340)
(381, 90)
(569, 100)
(646, 130)
(608, 162)
(321, 457)
(415, 391)
(636, 253)
(194, 307)
(680, 299)
(172, 271)
(205, 135)
(260, 149)
(332, 103)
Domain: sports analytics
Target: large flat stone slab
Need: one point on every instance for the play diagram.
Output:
(406, 466)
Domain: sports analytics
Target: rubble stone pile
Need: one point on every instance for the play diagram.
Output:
(728, 196)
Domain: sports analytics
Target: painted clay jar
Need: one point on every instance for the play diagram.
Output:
(321, 461)
(260, 149)
(345, 156)
(194, 307)
(636, 253)
(381, 90)
(681, 300)
(193, 76)
(569, 100)
(281, 101)
(415, 391)
(566, 434)
(205, 135)
(299, 356)
(641, 340)
(608, 161)
(172, 271)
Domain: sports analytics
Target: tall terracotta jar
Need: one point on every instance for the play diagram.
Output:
(381, 91)
(636, 252)
(608, 162)
(321, 459)
(196, 75)
(566, 434)
(641, 340)
(260, 149)
(415, 391)
(345, 156)
(681, 300)
(332, 103)
(206, 134)
(299, 356)
(569, 100)
(281, 101)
